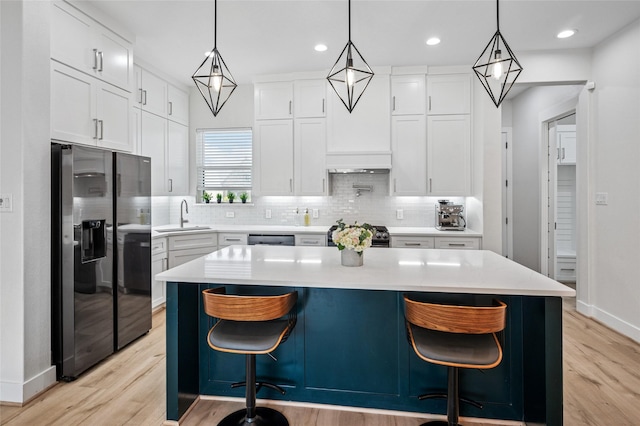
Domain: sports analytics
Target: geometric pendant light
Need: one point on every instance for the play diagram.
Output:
(497, 67)
(212, 78)
(351, 74)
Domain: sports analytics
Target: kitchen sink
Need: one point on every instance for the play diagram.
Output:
(186, 228)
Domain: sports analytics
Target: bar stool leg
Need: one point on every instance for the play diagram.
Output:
(250, 388)
(453, 405)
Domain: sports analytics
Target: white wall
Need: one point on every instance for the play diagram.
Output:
(615, 156)
(525, 119)
(25, 297)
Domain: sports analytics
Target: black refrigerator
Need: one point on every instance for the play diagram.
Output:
(101, 254)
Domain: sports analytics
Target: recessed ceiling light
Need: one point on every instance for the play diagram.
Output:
(566, 33)
(320, 47)
(433, 41)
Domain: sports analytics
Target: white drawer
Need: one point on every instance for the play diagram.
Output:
(158, 246)
(179, 257)
(229, 239)
(183, 242)
(318, 240)
(566, 270)
(457, 243)
(412, 242)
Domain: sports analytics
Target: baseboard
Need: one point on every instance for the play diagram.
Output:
(611, 321)
(20, 393)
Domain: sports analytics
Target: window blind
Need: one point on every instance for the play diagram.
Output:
(224, 159)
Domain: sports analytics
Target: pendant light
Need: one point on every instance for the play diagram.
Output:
(497, 67)
(212, 78)
(351, 74)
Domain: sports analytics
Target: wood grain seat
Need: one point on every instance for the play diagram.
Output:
(250, 325)
(458, 337)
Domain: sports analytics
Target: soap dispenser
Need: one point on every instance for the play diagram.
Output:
(307, 220)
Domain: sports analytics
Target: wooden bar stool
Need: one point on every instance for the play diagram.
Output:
(458, 337)
(250, 325)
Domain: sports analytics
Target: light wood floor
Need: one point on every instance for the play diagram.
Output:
(601, 387)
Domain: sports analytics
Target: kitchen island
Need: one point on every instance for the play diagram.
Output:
(349, 346)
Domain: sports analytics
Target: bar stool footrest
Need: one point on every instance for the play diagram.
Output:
(259, 386)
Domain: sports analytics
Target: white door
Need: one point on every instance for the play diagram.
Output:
(310, 154)
(449, 155)
(273, 101)
(274, 157)
(409, 155)
(114, 118)
(115, 59)
(507, 194)
(177, 159)
(408, 94)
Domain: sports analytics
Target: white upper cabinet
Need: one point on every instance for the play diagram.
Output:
(273, 157)
(273, 101)
(367, 129)
(409, 159)
(408, 94)
(151, 92)
(310, 146)
(566, 144)
(82, 43)
(153, 144)
(178, 105)
(89, 111)
(177, 165)
(449, 94)
(449, 155)
(310, 98)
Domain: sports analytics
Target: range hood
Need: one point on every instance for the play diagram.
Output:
(376, 162)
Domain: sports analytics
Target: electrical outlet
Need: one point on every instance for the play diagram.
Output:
(602, 198)
(399, 214)
(315, 213)
(6, 203)
(267, 213)
(231, 214)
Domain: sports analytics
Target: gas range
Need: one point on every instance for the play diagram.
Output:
(380, 236)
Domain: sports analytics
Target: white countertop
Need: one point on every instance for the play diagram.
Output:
(316, 229)
(449, 271)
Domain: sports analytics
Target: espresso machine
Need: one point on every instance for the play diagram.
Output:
(449, 216)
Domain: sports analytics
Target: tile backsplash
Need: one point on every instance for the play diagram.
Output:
(374, 207)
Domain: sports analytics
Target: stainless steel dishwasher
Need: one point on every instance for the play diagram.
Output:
(271, 240)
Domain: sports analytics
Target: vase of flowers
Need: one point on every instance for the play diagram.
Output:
(352, 240)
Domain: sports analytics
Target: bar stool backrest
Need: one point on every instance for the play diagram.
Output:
(247, 308)
(456, 318)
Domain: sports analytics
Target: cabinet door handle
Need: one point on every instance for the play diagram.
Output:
(232, 239)
(290, 185)
(310, 242)
(430, 189)
(170, 108)
(323, 185)
(95, 128)
(563, 153)
(395, 185)
(101, 55)
(140, 90)
(567, 269)
(457, 244)
(170, 185)
(394, 104)
(323, 106)
(429, 102)
(412, 244)
(95, 59)
(290, 105)
(101, 129)
(144, 92)
(558, 154)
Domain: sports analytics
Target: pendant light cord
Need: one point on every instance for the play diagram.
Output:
(215, 23)
(498, 14)
(349, 20)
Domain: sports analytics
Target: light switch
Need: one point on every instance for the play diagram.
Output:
(267, 213)
(399, 214)
(231, 214)
(602, 198)
(6, 203)
(315, 213)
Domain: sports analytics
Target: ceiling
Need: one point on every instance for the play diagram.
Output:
(267, 37)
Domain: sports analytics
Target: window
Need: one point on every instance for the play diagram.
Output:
(224, 159)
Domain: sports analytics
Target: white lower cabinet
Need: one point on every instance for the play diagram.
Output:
(229, 239)
(184, 248)
(412, 242)
(472, 243)
(317, 240)
(159, 263)
(566, 268)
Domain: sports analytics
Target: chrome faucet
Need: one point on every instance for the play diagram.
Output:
(186, 209)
